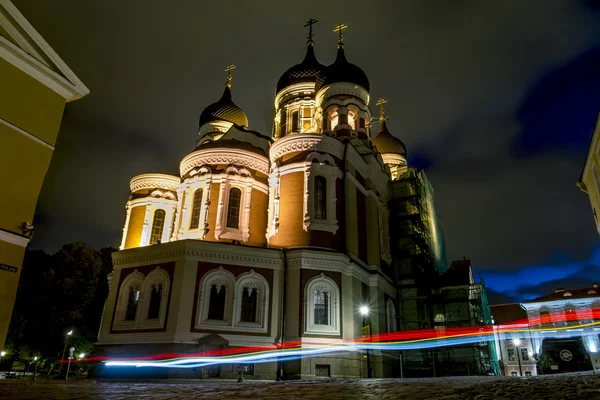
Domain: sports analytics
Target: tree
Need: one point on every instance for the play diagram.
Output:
(57, 293)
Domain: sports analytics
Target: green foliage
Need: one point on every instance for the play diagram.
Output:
(56, 294)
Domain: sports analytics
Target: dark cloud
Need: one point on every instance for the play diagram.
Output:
(471, 86)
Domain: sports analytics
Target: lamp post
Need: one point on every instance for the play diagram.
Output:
(364, 311)
(35, 367)
(71, 350)
(67, 337)
(517, 343)
(2, 354)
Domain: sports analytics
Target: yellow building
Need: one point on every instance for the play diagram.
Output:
(589, 182)
(35, 84)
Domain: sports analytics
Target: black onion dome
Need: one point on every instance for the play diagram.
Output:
(224, 110)
(388, 143)
(342, 71)
(307, 71)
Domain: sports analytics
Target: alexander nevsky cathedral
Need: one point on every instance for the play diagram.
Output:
(265, 239)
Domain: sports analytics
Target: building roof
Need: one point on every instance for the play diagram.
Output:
(343, 71)
(562, 294)
(27, 50)
(388, 143)
(224, 110)
(307, 71)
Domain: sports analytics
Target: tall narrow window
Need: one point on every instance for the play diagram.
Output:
(216, 303)
(320, 198)
(511, 354)
(249, 305)
(343, 119)
(233, 208)
(283, 128)
(321, 302)
(196, 206)
(155, 298)
(132, 302)
(295, 121)
(325, 122)
(361, 123)
(158, 223)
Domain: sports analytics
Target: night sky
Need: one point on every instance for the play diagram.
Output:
(497, 102)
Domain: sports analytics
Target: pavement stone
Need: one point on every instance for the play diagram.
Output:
(555, 387)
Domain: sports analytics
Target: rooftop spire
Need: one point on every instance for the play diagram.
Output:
(339, 28)
(228, 69)
(380, 103)
(310, 31)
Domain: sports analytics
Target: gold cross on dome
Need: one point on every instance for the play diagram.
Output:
(228, 69)
(380, 103)
(310, 28)
(339, 28)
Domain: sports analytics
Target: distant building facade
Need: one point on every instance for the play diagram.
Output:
(589, 181)
(35, 84)
(562, 346)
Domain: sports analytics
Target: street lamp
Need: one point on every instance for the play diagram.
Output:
(364, 311)
(2, 354)
(67, 337)
(81, 355)
(517, 343)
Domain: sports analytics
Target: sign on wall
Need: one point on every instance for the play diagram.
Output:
(9, 268)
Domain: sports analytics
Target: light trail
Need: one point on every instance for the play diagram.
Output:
(395, 341)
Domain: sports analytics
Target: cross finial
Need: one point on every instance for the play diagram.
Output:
(339, 28)
(310, 29)
(380, 103)
(228, 69)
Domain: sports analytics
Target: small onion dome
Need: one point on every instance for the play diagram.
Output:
(307, 71)
(342, 71)
(224, 110)
(388, 143)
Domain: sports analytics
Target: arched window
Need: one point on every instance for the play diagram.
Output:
(361, 123)
(249, 305)
(283, 128)
(320, 197)
(295, 121)
(233, 208)
(133, 300)
(155, 299)
(158, 223)
(218, 296)
(196, 206)
(321, 306)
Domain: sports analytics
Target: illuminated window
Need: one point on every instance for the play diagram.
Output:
(334, 120)
(567, 294)
(321, 311)
(306, 118)
(439, 318)
(295, 121)
(233, 208)
(158, 224)
(216, 310)
(351, 118)
(249, 304)
(320, 198)
(196, 206)
(524, 354)
(155, 299)
(132, 302)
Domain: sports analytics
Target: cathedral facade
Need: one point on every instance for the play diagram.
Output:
(265, 239)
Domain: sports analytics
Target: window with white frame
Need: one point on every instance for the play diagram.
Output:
(158, 224)
(320, 177)
(196, 209)
(514, 373)
(216, 299)
(524, 354)
(233, 210)
(511, 354)
(233, 304)
(527, 373)
(322, 310)
(143, 300)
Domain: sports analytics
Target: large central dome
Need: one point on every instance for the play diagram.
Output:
(343, 71)
(224, 110)
(307, 71)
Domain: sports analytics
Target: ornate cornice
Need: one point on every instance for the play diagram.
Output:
(306, 142)
(154, 181)
(224, 156)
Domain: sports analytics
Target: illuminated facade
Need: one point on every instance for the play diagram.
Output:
(589, 182)
(264, 239)
(35, 84)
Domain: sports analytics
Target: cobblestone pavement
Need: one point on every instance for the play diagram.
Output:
(558, 387)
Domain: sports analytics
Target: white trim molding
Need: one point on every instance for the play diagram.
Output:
(27, 134)
(226, 156)
(154, 181)
(242, 180)
(33, 53)
(327, 287)
(306, 142)
(274, 196)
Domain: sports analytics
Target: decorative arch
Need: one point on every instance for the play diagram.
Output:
(154, 298)
(322, 306)
(320, 165)
(240, 178)
(211, 286)
(252, 291)
(129, 296)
